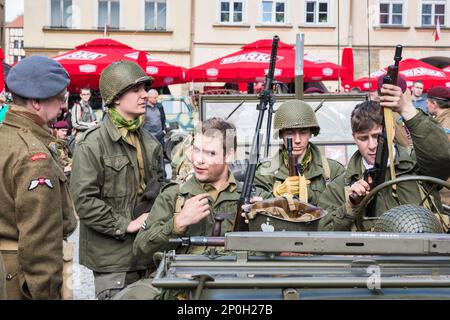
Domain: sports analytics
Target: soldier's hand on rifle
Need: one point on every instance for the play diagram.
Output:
(289, 186)
(136, 224)
(358, 190)
(195, 209)
(246, 207)
(393, 97)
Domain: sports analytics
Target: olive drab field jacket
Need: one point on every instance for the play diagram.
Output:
(104, 186)
(431, 157)
(36, 211)
(268, 177)
(159, 225)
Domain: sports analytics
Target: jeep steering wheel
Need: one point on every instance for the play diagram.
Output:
(360, 213)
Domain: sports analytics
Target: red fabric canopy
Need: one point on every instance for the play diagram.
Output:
(251, 64)
(86, 62)
(2, 77)
(411, 70)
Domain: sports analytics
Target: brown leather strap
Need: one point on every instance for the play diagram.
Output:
(8, 245)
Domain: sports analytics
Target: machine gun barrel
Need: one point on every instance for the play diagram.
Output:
(199, 241)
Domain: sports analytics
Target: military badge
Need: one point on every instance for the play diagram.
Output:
(40, 182)
(39, 156)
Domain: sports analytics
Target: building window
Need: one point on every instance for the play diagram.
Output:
(21, 44)
(155, 14)
(16, 44)
(231, 11)
(61, 13)
(273, 11)
(317, 11)
(391, 12)
(109, 13)
(432, 11)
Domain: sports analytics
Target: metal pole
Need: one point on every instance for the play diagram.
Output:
(299, 60)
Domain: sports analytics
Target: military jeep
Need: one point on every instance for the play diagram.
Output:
(408, 257)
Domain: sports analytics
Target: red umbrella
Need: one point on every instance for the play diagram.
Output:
(251, 63)
(411, 70)
(2, 80)
(86, 62)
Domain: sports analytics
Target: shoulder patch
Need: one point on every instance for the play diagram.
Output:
(39, 156)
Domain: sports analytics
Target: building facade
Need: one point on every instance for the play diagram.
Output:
(14, 41)
(191, 32)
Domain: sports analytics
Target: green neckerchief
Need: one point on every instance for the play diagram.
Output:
(121, 122)
(306, 159)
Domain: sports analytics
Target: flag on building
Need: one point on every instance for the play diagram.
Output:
(437, 32)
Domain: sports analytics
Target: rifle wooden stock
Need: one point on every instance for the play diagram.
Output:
(385, 139)
(292, 162)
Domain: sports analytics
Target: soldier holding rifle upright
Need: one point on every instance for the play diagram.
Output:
(428, 158)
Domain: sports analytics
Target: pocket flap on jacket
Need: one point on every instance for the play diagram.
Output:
(116, 162)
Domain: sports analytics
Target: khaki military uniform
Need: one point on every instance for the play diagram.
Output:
(106, 184)
(36, 211)
(429, 158)
(269, 176)
(444, 121)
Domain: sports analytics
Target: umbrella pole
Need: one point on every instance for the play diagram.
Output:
(299, 59)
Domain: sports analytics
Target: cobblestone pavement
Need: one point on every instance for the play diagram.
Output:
(83, 279)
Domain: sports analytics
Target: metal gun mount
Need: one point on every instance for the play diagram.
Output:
(313, 265)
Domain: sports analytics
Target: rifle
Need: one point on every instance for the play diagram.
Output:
(292, 159)
(266, 98)
(385, 140)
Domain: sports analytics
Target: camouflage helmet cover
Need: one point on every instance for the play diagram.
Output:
(120, 76)
(295, 114)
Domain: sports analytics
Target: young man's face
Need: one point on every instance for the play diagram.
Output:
(208, 158)
(417, 89)
(300, 139)
(367, 142)
(85, 95)
(132, 103)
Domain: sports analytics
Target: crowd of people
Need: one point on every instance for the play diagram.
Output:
(126, 209)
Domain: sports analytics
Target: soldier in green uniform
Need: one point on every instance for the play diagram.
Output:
(112, 169)
(189, 209)
(430, 157)
(36, 211)
(296, 119)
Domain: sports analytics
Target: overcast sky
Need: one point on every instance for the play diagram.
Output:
(13, 9)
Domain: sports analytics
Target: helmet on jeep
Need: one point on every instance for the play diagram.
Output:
(408, 218)
(295, 114)
(120, 76)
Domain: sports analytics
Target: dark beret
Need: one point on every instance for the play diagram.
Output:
(440, 93)
(61, 125)
(400, 83)
(37, 77)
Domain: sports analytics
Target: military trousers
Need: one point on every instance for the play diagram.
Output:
(108, 284)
